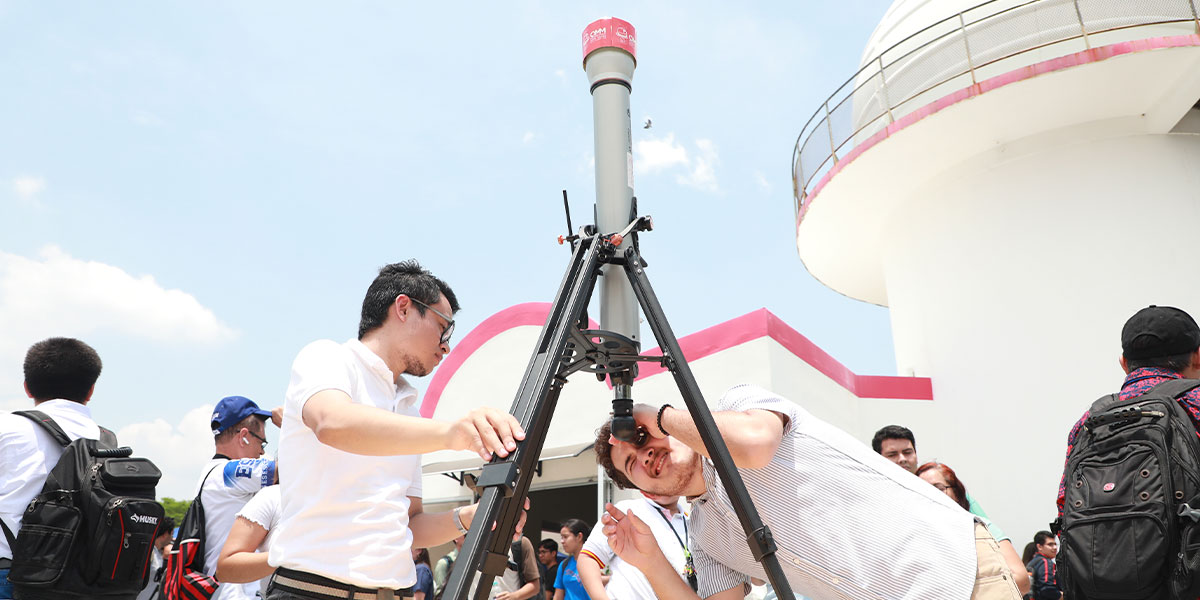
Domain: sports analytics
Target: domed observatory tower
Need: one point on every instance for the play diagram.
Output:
(1013, 180)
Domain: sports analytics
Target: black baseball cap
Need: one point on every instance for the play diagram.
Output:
(1159, 331)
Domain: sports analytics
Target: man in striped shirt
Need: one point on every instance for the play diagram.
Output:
(848, 523)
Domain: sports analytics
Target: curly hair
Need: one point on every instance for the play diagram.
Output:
(603, 451)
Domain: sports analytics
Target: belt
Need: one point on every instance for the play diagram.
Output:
(5, 563)
(315, 586)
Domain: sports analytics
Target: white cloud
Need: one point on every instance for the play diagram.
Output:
(654, 155)
(179, 450)
(147, 119)
(58, 295)
(28, 188)
(761, 181)
(561, 74)
(528, 137)
(59, 292)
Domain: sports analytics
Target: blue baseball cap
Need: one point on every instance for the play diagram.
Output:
(232, 410)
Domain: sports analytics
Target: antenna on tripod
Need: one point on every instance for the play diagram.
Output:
(609, 58)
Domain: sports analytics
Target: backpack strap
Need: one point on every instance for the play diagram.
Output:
(518, 553)
(108, 438)
(48, 424)
(8, 534)
(1175, 387)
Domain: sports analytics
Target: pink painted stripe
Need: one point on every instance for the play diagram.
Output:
(529, 313)
(1027, 72)
(748, 327)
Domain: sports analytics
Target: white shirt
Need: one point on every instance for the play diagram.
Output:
(232, 484)
(263, 510)
(848, 522)
(345, 516)
(627, 581)
(28, 453)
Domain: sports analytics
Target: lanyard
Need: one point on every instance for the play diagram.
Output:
(689, 569)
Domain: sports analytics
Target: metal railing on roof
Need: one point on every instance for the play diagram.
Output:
(960, 51)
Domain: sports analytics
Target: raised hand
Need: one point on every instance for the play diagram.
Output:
(632, 539)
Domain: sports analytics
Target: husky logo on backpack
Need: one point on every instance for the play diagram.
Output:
(1129, 528)
(90, 531)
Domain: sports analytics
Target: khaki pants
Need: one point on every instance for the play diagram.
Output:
(993, 579)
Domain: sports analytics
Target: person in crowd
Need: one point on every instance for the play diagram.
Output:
(667, 519)
(351, 418)
(946, 480)
(548, 559)
(567, 585)
(236, 472)
(441, 571)
(1158, 344)
(162, 545)
(520, 580)
(424, 588)
(840, 514)
(60, 377)
(244, 557)
(897, 444)
(1043, 567)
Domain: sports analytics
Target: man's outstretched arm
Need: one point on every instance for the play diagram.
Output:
(752, 435)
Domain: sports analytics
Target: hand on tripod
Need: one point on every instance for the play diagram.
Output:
(486, 431)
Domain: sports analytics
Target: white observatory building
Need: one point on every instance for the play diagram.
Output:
(1013, 180)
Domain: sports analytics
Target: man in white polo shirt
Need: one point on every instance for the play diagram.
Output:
(666, 518)
(60, 376)
(848, 524)
(354, 436)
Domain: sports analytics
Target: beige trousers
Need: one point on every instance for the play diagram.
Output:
(993, 579)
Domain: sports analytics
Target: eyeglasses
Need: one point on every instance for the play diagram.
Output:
(449, 330)
(258, 437)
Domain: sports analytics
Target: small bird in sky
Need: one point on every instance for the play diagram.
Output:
(647, 124)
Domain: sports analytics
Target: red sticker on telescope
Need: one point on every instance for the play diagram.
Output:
(609, 33)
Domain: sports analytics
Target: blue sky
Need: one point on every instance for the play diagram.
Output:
(200, 189)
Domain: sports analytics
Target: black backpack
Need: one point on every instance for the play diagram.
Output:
(1129, 526)
(90, 531)
(184, 571)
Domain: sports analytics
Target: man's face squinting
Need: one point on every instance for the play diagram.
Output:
(662, 466)
(901, 452)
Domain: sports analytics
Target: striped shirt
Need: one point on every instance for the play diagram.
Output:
(849, 524)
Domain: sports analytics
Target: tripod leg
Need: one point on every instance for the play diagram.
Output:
(506, 481)
(762, 544)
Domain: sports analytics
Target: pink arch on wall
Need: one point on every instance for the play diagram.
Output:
(751, 326)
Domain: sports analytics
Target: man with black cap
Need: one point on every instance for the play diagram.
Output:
(236, 472)
(1158, 343)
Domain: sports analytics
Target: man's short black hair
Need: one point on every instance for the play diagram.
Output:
(892, 432)
(61, 367)
(408, 278)
(1177, 363)
(550, 545)
(1040, 538)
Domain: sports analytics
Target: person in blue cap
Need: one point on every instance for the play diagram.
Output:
(236, 472)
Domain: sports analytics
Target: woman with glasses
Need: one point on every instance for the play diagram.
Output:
(944, 479)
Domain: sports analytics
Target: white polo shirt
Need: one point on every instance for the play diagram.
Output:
(28, 453)
(345, 516)
(627, 582)
(232, 484)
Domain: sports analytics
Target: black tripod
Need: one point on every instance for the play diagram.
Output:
(564, 347)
